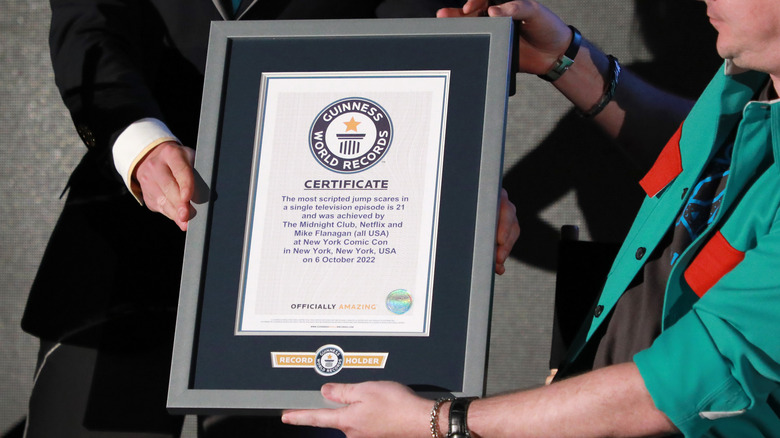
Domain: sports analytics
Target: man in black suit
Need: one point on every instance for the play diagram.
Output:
(104, 300)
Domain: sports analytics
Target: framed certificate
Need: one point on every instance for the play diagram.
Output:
(345, 222)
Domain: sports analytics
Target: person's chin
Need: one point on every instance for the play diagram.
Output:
(727, 53)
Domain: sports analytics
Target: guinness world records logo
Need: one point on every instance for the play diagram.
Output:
(329, 360)
(350, 135)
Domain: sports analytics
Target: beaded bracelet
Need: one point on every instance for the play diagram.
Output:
(435, 415)
(609, 91)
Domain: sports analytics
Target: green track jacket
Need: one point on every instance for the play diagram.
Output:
(715, 369)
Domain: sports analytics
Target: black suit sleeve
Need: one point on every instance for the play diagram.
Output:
(104, 54)
(414, 8)
(336, 9)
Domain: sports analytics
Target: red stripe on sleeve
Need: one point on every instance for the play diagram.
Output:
(715, 260)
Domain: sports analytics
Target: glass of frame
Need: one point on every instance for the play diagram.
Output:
(349, 182)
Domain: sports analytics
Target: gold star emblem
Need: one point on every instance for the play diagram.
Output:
(351, 125)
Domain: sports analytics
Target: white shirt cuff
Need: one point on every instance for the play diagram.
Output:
(134, 143)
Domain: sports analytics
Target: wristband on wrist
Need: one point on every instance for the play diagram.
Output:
(458, 410)
(609, 89)
(435, 416)
(567, 59)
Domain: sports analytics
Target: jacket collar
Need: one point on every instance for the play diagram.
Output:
(226, 12)
(731, 69)
(222, 7)
(727, 95)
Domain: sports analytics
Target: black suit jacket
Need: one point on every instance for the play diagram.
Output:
(115, 62)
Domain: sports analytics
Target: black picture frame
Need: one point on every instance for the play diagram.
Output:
(215, 371)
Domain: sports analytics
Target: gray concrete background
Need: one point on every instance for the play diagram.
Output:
(558, 170)
(39, 148)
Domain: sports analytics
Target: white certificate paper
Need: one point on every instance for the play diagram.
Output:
(343, 211)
